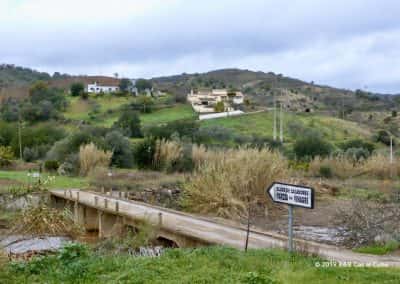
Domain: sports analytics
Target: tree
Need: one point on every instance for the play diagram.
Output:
(143, 84)
(121, 148)
(219, 107)
(129, 124)
(125, 85)
(145, 103)
(311, 146)
(40, 91)
(383, 136)
(77, 89)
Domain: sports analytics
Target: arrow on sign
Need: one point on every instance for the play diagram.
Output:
(291, 194)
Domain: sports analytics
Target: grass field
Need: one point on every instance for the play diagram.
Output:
(10, 178)
(332, 128)
(104, 110)
(205, 265)
(182, 111)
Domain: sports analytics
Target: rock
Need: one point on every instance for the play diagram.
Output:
(21, 245)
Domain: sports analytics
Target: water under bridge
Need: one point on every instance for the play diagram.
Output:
(110, 213)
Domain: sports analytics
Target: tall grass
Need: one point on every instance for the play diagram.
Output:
(380, 166)
(166, 154)
(90, 157)
(377, 166)
(340, 166)
(224, 181)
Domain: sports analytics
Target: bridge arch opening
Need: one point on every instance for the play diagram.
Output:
(166, 243)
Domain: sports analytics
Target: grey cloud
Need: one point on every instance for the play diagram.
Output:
(172, 34)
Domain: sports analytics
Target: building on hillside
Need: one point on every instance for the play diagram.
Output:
(132, 88)
(205, 101)
(96, 88)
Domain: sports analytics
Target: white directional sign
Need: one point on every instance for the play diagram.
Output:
(292, 194)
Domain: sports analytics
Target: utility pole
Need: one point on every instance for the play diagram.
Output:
(274, 118)
(391, 148)
(281, 123)
(19, 136)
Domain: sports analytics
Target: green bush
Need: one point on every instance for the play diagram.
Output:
(121, 149)
(77, 89)
(384, 137)
(143, 153)
(51, 165)
(311, 146)
(357, 143)
(183, 128)
(6, 155)
(325, 171)
(129, 124)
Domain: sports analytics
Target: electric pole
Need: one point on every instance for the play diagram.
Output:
(19, 136)
(281, 121)
(274, 118)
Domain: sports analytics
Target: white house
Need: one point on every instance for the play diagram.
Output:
(205, 101)
(96, 88)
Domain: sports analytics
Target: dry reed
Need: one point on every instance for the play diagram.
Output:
(224, 181)
(45, 221)
(90, 157)
(166, 154)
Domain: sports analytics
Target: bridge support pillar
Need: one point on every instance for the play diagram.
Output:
(109, 225)
(91, 219)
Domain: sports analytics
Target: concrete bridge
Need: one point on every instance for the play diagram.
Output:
(111, 214)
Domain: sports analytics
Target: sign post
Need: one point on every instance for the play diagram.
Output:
(293, 196)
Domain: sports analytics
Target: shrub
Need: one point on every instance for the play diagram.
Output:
(77, 89)
(143, 153)
(325, 171)
(69, 145)
(358, 143)
(70, 166)
(30, 154)
(384, 137)
(311, 146)
(219, 107)
(91, 157)
(223, 181)
(357, 154)
(183, 128)
(6, 155)
(129, 124)
(367, 221)
(121, 149)
(37, 139)
(51, 165)
(213, 133)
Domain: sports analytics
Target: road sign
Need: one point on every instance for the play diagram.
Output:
(290, 194)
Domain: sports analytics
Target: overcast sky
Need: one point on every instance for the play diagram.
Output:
(344, 43)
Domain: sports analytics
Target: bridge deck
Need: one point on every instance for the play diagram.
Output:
(211, 231)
